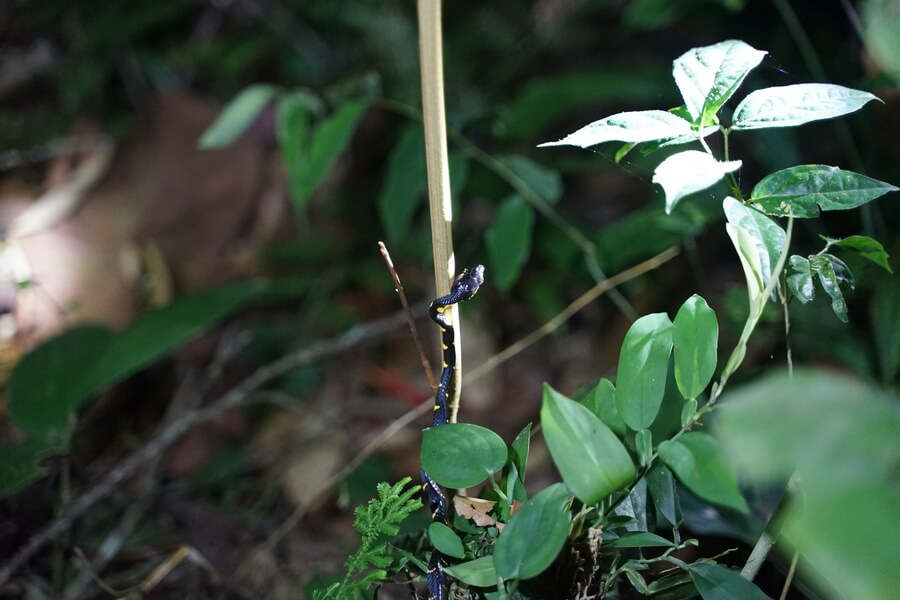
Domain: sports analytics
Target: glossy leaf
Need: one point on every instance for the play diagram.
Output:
(800, 281)
(769, 236)
(589, 456)
(634, 127)
(643, 364)
(642, 539)
(479, 572)
(459, 455)
(793, 105)
(237, 116)
(445, 540)
(661, 487)
(701, 465)
(868, 248)
(404, 185)
(534, 536)
(715, 582)
(707, 77)
(43, 390)
(326, 144)
(832, 272)
(643, 443)
(839, 435)
(19, 463)
(602, 402)
(689, 172)
(804, 190)
(544, 182)
(695, 336)
(518, 451)
(508, 241)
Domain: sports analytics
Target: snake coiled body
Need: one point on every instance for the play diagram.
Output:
(463, 288)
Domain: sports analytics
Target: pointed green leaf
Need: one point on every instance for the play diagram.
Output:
(769, 236)
(748, 252)
(868, 248)
(701, 465)
(459, 455)
(19, 463)
(404, 185)
(642, 539)
(544, 182)
(633, 127)
(828, 267)
(715, 582)
(643, 443)
(478, 573)
(793, 105)
(237, 116)
(589, 456)
(602, 402)
(707, 77)
(800, 281)
(688, 172)
(293, 123)
(695, 335)
(643, 364)
(535, 535)
(508, 241)
(518, 451)
(805, 189)
(445, 540)
(661, 486)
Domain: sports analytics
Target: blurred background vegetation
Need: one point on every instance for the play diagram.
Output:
(161, 219)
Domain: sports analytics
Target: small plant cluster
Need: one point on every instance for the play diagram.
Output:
(627, 449)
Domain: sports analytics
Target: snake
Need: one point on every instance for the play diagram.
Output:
(463, 288)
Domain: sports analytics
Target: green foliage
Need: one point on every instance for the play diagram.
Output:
(379, 519)
(461, 455)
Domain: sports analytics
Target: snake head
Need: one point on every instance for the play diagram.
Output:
(468, 282)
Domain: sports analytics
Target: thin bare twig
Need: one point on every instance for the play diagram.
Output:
(410, 319)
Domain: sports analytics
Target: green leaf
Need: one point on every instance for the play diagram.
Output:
(589, 456)
(508, 241)
(237, 116)
(769, 236)
(19, 463)
(661, 486)
(479, 572)
(643, 363)
(602, 402)
(43, 392)
(535, 535)
(715, 582)
(293, 136)
(459, 455)
(839, 435)
(867, 248)
(748, 252)
(695, 336)
(544, 182)
(518, 451)
(707, 77)
(832, 271)
(445, 540)
(643, 443)
(805, 189)
(404, 184)
(689, 172)
(327, 143)
(800, 281)
(634, 127)
(641, 539)
(701, 465)
(793, 105)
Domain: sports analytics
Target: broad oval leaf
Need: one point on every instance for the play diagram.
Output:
(804, 189)
(535, 535)
(688, 172)
(701, 465)
(404, 184)
(237, 116)
(707, 77)
(769, 236)
(445, 540)
(793, 105)
(459, 455)
(633, 127)
(643, 364)
(800, 281)
(508, 241)
(42, 392)
(602, 402)
(479, 572)
(695, 336)
(715, 582)
(868, 248)
(589, 456)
